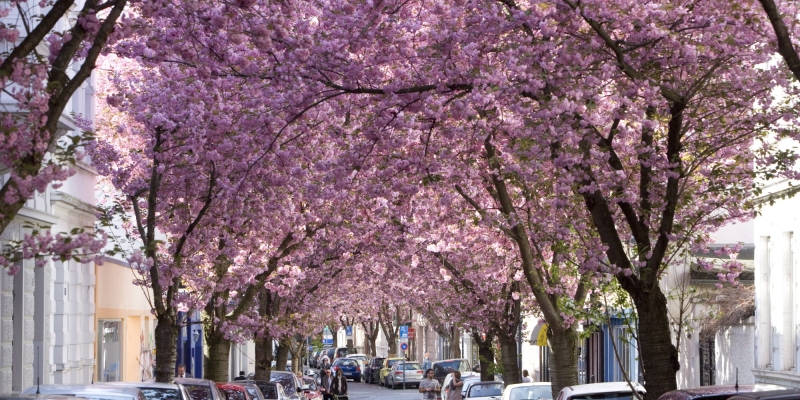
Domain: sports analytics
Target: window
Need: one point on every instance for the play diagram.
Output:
(197, 392)
(160, 394)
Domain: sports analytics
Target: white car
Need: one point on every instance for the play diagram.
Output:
(471, 376)
(97, 391)
(156, 390)
(528, 391)
(362, 359)
(482, 390)
(606, 390)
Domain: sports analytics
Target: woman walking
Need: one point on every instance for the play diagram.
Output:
(339, 385)
(454, 389)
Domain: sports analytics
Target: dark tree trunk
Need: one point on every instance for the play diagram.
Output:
(350, 349)
(455, 342)
(658, 355)
(485, 354)
(508, 357)
(282, 355)
(166, 337)
(219, 351)
(263, 358)
(564, 366)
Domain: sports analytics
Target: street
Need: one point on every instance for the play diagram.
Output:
(362, 391)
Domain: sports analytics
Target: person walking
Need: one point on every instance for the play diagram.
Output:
(325, 383)
(339, 385)
(181, 371)
(241, 377)
(429, 386)
(526, 378)
(426, 362)
(454, 389)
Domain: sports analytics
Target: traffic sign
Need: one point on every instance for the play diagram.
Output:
(327, 341)
(348, 330)
(403, 332)
(404, 346)
(411, 332)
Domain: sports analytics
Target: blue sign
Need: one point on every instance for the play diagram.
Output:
(403, 332)
(404, 346)
(327, 341)
(348, 330)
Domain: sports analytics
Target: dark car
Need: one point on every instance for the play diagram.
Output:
(444, 367)
(717, 392)
(200, 389)
(787, 394)
(350, 368)
(372, 369)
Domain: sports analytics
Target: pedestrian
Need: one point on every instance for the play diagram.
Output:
(241, 377)
(339, 385)
(429, 386)
(325, 385)
(181, 371)
(455, 386)
(526, 378)
(426, 362)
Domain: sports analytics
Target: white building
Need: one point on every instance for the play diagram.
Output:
(777, 349)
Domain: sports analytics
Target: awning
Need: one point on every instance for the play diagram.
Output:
(539, 335)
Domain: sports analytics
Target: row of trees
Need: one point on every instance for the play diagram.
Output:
(282, 162)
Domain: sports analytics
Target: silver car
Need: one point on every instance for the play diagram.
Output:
(404, 374)
(157, 390)
(97, 391)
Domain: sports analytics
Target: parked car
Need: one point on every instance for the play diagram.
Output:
(362, 359)
(270, 390)
(789, 394)
(337, 352)
(483, 390)
(233, 392)
(251, 388)
(526, 391)
(200, 389)
(404, 374)
(350, 368)
(387, 365)
(314, 359)
(97, 391)
(716, 392)
(444, 367)
(34, 396)
(157, 390)
(291, 384)
(615, 390)
(373, 369)
(464, 377)
(312, 391)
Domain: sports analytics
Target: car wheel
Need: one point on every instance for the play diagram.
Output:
(357, 379)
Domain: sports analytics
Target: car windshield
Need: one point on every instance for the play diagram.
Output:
(161, 394)
(269, 391)
(341, 353)
(531, 393)
(346, 362)
(310, 382)
(377, 361)
(393, 362)
(486, 389)
(199, 392)
(286, 380)
(409, 367)
(446, 367)
(604, 396)
(252, 391)
(233, 394)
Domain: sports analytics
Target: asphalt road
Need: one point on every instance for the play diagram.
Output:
(363, 391)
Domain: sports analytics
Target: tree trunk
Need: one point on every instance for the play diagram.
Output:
(564, 366)
(282, 355)
(455, 343)
(219, 352)
(485, 355)
(658, 356)
(350, 349)
(373, 347)
(508, 357)
(296, 363)
(263, 358)
(166, 337)
(393, 348)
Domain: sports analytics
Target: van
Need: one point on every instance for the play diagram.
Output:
(334, 353)
(601, 391)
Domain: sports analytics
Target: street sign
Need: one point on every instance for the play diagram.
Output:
(327, 341)
(348, 330)
(411, 332)
(404, 346)
(403, 332)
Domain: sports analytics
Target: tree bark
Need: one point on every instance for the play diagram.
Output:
(658, 355)
(263, 358)
(455, 343)
(508, 357)
(485, 354)
(219, 352)
(282, 355)
(564, 366)
(166, 337)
